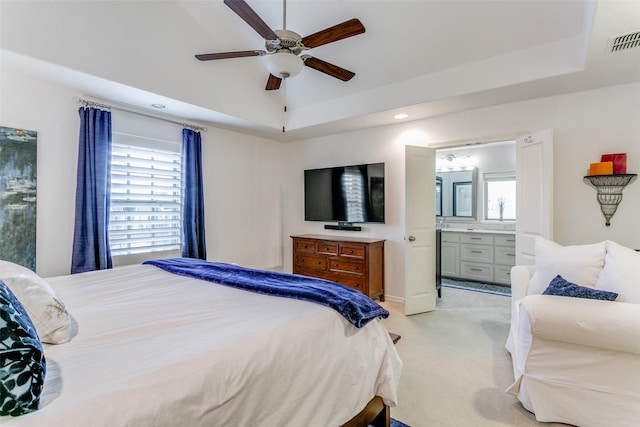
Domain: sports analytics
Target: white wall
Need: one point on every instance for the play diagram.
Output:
(385, 144)
(586, 125)
(242, 179)
(254, 190)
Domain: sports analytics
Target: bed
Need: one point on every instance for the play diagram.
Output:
(152, 348)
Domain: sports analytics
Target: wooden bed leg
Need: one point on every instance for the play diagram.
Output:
(376, 414)
(383, 419)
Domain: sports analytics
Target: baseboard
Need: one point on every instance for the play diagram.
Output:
(391, 298)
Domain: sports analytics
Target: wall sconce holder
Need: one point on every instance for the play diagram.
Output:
(609, 189)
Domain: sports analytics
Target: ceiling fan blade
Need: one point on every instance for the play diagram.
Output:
(349, 28)
(226, 55)
(273, 83)
(248, 15)
(327, 68)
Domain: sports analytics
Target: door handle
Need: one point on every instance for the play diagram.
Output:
(412, 239)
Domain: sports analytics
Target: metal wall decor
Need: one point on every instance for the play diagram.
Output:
(609, 189)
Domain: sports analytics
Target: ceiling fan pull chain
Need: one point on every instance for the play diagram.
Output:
(284, 102)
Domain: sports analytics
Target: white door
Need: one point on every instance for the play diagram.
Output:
(534, 190)
(420, 231)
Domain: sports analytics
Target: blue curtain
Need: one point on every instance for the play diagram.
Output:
(193, 235)
(91, 230)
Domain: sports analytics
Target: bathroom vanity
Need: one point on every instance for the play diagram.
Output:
(478, 255)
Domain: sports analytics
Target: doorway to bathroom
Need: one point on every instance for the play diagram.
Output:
(476, 215)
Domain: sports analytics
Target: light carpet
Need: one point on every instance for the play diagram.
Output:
(456, 368)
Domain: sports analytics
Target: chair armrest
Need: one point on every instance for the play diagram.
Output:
(520, 276)
(609, 325)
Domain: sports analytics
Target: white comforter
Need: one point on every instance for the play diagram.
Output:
(156, 349)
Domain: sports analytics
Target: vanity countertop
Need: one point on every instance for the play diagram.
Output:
(477, 230)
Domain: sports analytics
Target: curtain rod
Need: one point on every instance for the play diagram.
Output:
(88, 103)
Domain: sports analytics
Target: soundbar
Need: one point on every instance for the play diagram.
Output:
(343, 226)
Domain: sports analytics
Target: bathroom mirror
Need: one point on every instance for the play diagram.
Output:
(456, 193)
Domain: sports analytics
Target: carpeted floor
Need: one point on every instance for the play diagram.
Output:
(476, 286)
(456, 369)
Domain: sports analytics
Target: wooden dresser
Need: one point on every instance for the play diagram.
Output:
(350, 261)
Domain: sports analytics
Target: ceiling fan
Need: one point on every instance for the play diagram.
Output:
(283, 47)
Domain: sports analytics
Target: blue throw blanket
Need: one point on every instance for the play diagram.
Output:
(354, 306)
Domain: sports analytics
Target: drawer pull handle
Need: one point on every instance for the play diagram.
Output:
(476, 252)
(301, 259)
(356, 268)
(511, 254)
(475, 238)
(319, 262)
(475, 269)
(350, 252)
(510, 240)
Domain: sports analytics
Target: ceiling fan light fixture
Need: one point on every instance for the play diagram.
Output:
(284, 64)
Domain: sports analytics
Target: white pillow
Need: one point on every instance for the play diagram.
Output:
(43, 305)
(579, 264)
(621, 273)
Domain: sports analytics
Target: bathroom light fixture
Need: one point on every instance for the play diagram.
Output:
(159, 106)
(400, 116)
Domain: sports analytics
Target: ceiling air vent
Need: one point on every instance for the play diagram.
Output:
(625, 41)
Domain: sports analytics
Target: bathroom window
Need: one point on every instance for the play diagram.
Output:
(500, 196)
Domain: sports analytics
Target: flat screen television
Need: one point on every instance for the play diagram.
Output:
(352, 194)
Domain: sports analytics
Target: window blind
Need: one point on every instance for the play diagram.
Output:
(145, 200)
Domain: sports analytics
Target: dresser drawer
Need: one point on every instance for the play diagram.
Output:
(354, 282)
(327, 248)
(502, 274)
(346, 266)
(475, 238)
(505, 240)
(478, 253)
(475, 271)
(352, 251)
(308, 246)
(450, 237)
(505, 255)
(309, 261)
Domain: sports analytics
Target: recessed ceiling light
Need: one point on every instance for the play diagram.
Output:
(159, 106)
(400, 116)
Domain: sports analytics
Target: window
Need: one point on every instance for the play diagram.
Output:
(145, 199)
(499, 196)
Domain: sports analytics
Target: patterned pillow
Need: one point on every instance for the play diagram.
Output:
(561, 287)
(21, 358)
(44, 307)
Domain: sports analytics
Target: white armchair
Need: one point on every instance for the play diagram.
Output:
(577, 360)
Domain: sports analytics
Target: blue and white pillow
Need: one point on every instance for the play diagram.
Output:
(22, 363)
(561, 287)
